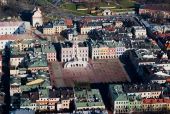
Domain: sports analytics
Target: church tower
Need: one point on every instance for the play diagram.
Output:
(37, 17)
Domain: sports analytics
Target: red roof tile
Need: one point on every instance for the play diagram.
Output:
(69, 22)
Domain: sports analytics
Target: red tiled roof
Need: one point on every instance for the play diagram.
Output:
(15, 37)
(100, 71)
(69, 22)
(155, 101)
(156, 7)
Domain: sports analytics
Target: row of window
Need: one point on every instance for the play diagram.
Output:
(81, 51)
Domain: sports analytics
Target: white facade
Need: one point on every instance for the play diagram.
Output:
(69, 53)
(37, 18)
(86, 29)
(107, 12)
(119, 51)
(18, 27)
(71, 37)
(139, 31)
(15, 61)
(151, 94)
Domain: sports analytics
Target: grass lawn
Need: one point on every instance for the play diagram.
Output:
(69, 6)
(126, 3)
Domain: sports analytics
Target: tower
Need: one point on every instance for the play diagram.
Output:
(37, 17)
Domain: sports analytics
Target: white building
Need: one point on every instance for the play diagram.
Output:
(139, 31)
(14, 27)
(87, 27)
(107, 12)
(77, 50)
(15, 60)
(37, 19)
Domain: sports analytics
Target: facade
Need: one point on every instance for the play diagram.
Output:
(88, 101)
(139, 31)
(155, 11)
(15, 60)
(126, 102)
(87, 27)
(107, 12)
(55, 27)
(14, 27)
(37, 19)
(73, 50)
(22, 45)
(107, 50)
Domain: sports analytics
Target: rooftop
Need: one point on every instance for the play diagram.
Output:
(88, 98)
(141, 88)
(155, 101)
(103, 69)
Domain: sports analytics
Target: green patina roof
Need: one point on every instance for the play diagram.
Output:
(88, 95)
(44, 93)
(25, 102)
(39, 63)
(49, 49)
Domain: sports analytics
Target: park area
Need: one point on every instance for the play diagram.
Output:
(84, 8)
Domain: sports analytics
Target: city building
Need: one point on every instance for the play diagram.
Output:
(107, 12)
(139, 32)
(14, 27)
(56, 26)
(37, 19)
(155, 11)
(88, 99)
(78, 50)
(87, 27)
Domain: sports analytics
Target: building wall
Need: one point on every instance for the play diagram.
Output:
(8, 28)
(21, 46)
(119, 51)
(14, 72)
(140, 32)
(127, 106)
(16, 61)
(49, 31)
(60, 28)
(69, 53)
(86, 29)
(37, 18)
(151, 94)
(51, 57)
(35, 69)
(14, 90)
(65, 104)
(103, 53)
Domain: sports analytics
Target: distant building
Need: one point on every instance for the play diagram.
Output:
(88, 99)
(56, 27)
(15, 60)
(139, 32)
(14, 27)
(87, 27)
(73, 50)
(155, 11)
(37, 19)
(107, 12)
(126, 101)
